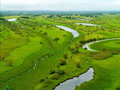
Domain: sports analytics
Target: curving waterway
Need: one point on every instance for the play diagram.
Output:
(87, 24)
(72, 31)
(11, 20)
(76, 81)
(87, 45)
(87, 76)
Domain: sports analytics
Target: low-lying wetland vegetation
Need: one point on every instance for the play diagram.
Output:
(38, 55)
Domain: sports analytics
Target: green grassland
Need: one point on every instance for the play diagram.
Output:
(36, 55)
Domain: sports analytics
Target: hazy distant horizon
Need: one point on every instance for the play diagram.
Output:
(61, 5)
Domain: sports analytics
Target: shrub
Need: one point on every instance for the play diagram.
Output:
(75, 51)
(64, 35)
(52, 71)
(55, 76)
(42, 80)
(118, 88)
(41, 42)
(60, 72)
(65, 56)
(70, 48)
(77, 63)
(102, 55)
(56, 39)
(45, 33)
(62, 62)
(6, 88)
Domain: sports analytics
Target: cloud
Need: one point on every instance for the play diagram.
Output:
(60, 4)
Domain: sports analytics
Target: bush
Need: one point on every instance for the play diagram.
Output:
(60, 72)
(65, 56)
(45, 33)
(75, 51)
(118, 88)
(70, 48)
(6, 88)
(56, 39)
(42, 80)
(102, 55)
(52, 71)
(55, 76)
(77, 64)
(41, 42)
(62, 62)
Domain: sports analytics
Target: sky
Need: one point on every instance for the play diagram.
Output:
(74, 5)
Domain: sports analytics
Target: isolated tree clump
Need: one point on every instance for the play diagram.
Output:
(56, 39)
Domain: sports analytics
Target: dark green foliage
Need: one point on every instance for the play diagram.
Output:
(42, 80)
(65, 56)
(6, 88)
(2, 19)
(102, 55)
(41, 42)
(52, 71)
(25, 17)
(63, 62)
(55, 76)
(45, 33)
(60, 72)
(56, 39)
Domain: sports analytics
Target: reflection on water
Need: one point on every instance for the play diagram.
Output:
(87, 24)
(87, 45)
(74, 32)
(13, 19)
(76, 81)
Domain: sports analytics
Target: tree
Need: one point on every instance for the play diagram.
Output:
(56, 39)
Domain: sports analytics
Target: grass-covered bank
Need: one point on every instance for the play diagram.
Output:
(106, 75)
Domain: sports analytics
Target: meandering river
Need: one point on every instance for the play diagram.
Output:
(87, 24)
(87, 45)
(11, 20)
(72, 31)
(87, 76)
(76, 81)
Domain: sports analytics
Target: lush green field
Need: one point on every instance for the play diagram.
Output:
(36, 55)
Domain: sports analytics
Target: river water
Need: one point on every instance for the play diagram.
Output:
(76, 81)
(72, 31)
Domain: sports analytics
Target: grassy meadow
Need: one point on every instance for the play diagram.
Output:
(37, 55)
